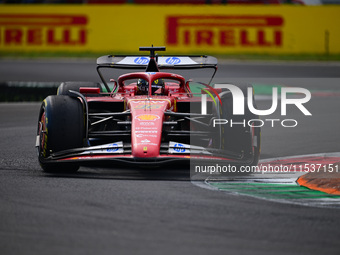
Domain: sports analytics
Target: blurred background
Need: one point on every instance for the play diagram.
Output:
(177, 1)
(287, 30)
(220, 27)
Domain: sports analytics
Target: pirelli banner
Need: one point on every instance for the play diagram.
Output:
(208, 29)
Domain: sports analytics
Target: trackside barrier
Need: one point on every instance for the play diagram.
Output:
(182, 28)
(26, 91)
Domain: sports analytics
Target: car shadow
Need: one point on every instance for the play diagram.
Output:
(170, 173)
(147, 173)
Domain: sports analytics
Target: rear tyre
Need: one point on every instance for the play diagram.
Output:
(75, 85)
(243, 137)
(60, 127)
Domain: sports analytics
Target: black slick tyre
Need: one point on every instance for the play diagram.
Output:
(60, 127)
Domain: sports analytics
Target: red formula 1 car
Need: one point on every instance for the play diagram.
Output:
(145, 117)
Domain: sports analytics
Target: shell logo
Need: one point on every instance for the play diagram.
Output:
(148, 117)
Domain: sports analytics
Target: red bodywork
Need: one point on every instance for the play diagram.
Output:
(147, 116)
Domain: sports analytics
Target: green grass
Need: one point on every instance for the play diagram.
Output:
(272, 190)
(266, 57)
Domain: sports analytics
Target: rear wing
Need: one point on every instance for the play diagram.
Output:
(163, 62)
(153, 62)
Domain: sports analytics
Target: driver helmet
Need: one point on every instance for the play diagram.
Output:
(143, 86)
(156, 85)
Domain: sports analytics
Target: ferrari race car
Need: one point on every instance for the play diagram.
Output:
(145, 117)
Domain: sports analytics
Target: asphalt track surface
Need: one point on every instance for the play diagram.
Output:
(159, 211)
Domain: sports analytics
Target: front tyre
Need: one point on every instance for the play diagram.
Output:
(61, 127)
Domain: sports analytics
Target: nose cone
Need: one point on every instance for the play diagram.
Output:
(146, 134)
(146, 129)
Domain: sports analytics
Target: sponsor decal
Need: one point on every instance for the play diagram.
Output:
(134, 101)
(43, 30)
(149, 143)
(176, 61)
(179, 147)
(142, 104)
(175, 147)
(146, 128)
(141, 60)
(145, 135)
(147, 106)
(173, 61)
(147, 117)
(147, 123)
(106, 148)
(146, 131)
(145, 141)
(246, 31)
(113, 147)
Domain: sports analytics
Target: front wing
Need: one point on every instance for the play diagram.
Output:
(170, 152)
